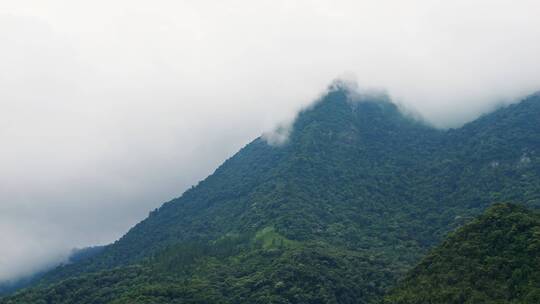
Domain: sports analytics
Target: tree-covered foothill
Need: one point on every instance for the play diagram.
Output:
(494, 259)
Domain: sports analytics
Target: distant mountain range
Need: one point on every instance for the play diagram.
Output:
(342, 212)
(75, 256)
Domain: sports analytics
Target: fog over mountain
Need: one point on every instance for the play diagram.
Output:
(110, 108)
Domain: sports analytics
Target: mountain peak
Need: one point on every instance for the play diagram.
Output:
(346, 117)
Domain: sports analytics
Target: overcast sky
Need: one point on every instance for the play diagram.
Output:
(109, 108)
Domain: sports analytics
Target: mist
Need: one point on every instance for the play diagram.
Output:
(110, 108)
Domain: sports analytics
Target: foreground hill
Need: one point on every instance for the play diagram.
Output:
(494, 259)
(358, 194)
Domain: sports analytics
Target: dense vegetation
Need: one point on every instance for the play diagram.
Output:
(494, 259)
(359, 186)
(265, 268)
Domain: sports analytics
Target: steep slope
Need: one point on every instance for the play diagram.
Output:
(494, 259)
(355, 198)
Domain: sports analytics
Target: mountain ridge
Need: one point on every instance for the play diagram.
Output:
(356, 182)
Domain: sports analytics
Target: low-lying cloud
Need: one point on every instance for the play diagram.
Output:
(109, 108)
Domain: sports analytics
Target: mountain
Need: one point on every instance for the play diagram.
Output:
(337, 214)
(494, 259)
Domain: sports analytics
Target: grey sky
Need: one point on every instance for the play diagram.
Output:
(109, 108)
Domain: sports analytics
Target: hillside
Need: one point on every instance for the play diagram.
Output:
(358, 194)
(494, 259)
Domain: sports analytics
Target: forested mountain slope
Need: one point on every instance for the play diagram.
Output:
(347, 205)
(494, 259)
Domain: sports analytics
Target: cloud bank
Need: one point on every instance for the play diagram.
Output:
(109, 108)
